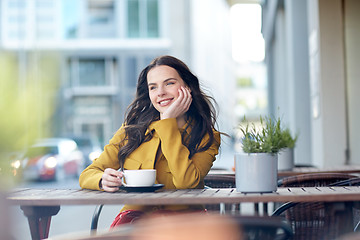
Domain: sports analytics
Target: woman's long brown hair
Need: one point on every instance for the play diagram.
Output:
(141, 113)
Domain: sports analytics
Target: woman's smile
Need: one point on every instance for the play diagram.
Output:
(165, 102)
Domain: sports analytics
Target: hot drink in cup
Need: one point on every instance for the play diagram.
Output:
(140, 178)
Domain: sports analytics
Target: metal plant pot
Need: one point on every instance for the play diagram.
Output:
(286, 159)
(256, 172)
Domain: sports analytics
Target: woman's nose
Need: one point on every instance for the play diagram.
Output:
(160, 91)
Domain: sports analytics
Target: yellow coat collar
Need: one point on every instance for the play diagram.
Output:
(187, 127)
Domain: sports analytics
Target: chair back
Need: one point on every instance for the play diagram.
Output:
(219, 181)
(318, 220)
(263, 227)
(314, 179)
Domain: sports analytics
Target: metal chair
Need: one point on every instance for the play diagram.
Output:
(264, 228)
(314, 179)
(318, 220)
(356, 207)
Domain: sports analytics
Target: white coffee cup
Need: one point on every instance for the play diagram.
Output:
(140, 178)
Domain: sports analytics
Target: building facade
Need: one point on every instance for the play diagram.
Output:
(100, 47)
(311, 55)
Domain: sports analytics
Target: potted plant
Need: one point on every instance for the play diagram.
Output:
(256, 168)
(286, 153)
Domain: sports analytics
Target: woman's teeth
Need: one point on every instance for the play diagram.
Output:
(164, 103)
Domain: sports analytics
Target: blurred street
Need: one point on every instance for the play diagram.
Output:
(69, 219)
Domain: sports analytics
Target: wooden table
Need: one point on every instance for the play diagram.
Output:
(40, 204)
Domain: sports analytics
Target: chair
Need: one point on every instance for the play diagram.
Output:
(356, 207)
(314, 179)
(318, 220)
(301, 165)
(220, 181)
(264, 227)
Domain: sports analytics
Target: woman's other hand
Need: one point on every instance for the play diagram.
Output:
(111, 180)
(180, 106)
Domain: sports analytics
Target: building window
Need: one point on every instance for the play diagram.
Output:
(71, 18)
(92, 72)
(143, 19)
(101, 18)
(21, 4)
(44, 4)
(152, 19)
(131, 72)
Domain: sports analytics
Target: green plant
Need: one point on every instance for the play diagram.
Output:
(288, 140)
(269, 138)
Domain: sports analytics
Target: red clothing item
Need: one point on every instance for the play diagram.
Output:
(130, 216)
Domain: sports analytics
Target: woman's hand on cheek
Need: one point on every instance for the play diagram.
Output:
(180, 106)
(111, 180)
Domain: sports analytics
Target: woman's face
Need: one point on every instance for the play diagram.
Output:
(163, 84)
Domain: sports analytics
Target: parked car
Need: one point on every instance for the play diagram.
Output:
(10, 166)
(52, 159)
(89, 146)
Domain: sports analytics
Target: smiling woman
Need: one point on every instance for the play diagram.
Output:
(170, 127)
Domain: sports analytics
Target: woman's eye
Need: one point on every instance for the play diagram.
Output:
(152, 88)
(170, 83)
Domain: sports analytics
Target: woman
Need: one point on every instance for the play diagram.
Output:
(168, 127)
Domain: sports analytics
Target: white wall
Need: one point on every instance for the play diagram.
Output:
(352, 40)
(327, 81)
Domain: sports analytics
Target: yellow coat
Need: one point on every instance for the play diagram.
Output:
(173, 167)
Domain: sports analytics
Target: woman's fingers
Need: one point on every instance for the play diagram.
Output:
(187, 99)
(111, 180)
(110, 189)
